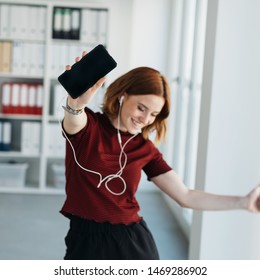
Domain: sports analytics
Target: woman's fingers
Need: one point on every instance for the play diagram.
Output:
(77, 59)
(100, 82)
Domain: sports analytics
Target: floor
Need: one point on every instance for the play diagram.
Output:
(31, 227)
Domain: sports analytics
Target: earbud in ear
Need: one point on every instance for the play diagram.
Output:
(121, 100)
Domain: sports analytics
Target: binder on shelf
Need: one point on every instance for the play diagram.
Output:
(28, 58)
(41, 15)
(102, 26)
(57, 23)
(14, 21)
(36, 136)
(84, 23)
(50, 141)
(40, 59)
(34, 23)
(32, 99)
(75, 24)
(63, 57)
(30, 138)
(6, 56)
(25, 59)
(56, 142)
(66, 24)
(7, 134)
(39, 99)
(6, 98)
(37, 59)
(59, 95)
(16, 58)
(22, 24)
(26, 137)
(15, 95)
(32, 59)
(89, 30)
(4, 21)
(1, 56)
(74, 50)
(55, 60)
(23, 98)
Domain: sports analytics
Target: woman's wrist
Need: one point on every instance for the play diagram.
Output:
(71, 109)
(243, 203)
(73, 104)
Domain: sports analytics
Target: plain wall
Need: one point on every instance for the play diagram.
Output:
(138, 34)
(150, 34)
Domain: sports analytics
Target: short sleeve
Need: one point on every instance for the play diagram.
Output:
(92, 120)
(156, 166)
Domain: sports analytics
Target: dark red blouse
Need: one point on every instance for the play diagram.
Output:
(97, 148)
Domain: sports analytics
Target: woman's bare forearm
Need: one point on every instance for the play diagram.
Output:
(200, 200)
(73, 123)
(172, 185)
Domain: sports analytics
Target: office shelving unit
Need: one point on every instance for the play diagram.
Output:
(37, 40)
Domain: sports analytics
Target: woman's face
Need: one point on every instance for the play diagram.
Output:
(139, 111)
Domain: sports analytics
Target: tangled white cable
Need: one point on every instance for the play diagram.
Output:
(122, 160)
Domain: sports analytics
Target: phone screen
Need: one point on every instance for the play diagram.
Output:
(86, 72)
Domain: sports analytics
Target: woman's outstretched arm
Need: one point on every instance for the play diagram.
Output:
(173, 186)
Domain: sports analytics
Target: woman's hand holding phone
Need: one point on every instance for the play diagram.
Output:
(81, 101)
(86, 75)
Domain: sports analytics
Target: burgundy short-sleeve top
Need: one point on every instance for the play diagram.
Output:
(97, 148)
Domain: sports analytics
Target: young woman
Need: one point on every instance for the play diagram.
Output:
(105, 155)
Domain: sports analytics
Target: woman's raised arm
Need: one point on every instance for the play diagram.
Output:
(74, 116)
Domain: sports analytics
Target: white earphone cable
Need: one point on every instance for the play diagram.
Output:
(122, 162)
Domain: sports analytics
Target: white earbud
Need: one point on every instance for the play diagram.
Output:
(121, 100)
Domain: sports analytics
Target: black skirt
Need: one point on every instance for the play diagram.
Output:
(89, 240)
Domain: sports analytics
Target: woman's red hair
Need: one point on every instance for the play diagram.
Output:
(140, 81)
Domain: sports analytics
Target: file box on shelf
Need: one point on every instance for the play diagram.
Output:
(58, 176)
(13, 174)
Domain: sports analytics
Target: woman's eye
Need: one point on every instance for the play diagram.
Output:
(141, 108)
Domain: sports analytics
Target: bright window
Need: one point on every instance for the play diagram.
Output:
(185, 76)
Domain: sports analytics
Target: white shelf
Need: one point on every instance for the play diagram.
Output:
(32, 190)
(20, 76)
(39, 170)
(18, 155)
(21, 117)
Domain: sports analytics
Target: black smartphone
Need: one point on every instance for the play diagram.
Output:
(86, 72)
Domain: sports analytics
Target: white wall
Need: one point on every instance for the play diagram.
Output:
(229, 149)
(138, 34)
(120, 35)
(150, 33)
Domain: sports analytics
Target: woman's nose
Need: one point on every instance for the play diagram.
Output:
(145, 118)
